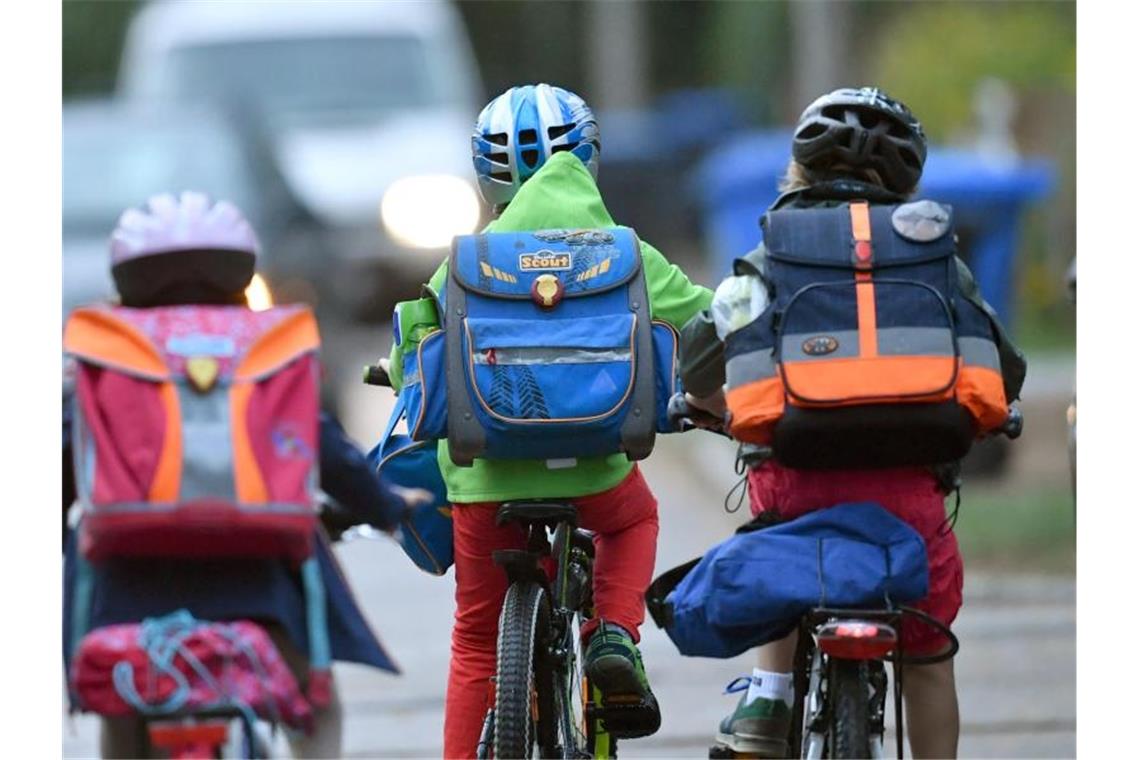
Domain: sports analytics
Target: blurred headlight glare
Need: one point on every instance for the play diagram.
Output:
(257, 294)
(428, 211)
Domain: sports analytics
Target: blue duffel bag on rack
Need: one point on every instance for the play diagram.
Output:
(754, 587)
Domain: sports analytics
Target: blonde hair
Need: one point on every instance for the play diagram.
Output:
(797, 177)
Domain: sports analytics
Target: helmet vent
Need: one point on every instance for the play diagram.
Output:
(501, 177)
(528, 137)
(867, 119)
(499, 138)
(811, 131)
(530, 158)
(555, 132)
(499, 158)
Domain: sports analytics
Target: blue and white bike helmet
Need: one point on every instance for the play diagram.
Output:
(520, 129)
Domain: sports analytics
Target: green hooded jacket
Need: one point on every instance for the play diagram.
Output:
(562, 194)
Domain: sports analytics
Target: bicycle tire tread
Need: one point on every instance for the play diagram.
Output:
(518, 628)
(848, 687)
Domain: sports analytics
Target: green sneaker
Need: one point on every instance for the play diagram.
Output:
(613, 665)
(758, 728)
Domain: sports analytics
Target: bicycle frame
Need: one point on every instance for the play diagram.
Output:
(812, 710)
(570, 592)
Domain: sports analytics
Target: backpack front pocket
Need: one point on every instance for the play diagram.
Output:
(869, 341)
(542, 371)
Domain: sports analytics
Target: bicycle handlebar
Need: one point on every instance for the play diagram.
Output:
(684, 416)
(374, 374)
(1013, 423)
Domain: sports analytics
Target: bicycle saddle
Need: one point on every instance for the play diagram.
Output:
(547, 513)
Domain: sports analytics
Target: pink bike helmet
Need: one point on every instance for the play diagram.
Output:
(183, 244)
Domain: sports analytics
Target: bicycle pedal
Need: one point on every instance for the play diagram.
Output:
(626, 719)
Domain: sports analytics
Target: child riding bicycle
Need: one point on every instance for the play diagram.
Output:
(183, 263)
(859, 150)
(536, 152)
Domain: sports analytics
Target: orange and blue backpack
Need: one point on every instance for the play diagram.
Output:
(868, 354)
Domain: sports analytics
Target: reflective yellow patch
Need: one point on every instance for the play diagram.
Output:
(202, 371)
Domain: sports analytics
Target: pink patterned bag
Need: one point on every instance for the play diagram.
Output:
(178, 665)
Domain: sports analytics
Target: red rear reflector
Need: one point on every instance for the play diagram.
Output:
(211, 733)
(856, 640)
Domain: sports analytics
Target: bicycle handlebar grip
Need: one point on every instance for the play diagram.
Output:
(1013, 423)
(374, 374)
(678, 412)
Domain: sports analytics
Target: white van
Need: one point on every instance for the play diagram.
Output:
(370, 105)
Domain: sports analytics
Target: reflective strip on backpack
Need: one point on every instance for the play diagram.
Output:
(248, 482)
(891, 341)
(167, 481)
(541, 355)
(750, 367)
(207, 445)
(979, 352)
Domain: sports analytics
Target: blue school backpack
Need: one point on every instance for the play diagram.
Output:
(547, 350)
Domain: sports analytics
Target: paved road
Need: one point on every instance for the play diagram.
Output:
(1016, 672)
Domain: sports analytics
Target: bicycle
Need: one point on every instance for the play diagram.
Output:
(839, 676)
(543, 698)
(544, 701)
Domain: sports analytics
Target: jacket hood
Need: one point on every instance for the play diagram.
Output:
(561, 194)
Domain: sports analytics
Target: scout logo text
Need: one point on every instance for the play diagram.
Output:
(544, 260)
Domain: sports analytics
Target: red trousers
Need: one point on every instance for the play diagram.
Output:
(624, 520)
(910, 494)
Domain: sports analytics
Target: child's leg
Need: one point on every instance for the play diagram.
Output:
(325, 741)
(625, 520)
(480, 587)
(931, 710)
(778, 656)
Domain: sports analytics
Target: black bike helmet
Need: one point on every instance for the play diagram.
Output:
(863, 129)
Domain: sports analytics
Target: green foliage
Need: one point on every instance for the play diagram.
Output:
(93, 33)
(746, 46)
(931, 55)
(1017, 526)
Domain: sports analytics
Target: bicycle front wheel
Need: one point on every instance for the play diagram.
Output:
(848, 694)
(522, 628)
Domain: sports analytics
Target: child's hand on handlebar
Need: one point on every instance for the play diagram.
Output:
(714, 404)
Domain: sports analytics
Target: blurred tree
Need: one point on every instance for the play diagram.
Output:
(932, 55)
(93, 33)
(746, 46)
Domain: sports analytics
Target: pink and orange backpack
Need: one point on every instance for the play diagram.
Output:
(197, 430)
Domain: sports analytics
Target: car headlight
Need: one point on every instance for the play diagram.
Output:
(428, 211)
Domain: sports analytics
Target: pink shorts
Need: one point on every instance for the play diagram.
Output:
(911, 494)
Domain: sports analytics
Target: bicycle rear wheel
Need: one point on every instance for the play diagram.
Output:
(848, 694)
(520, 685)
